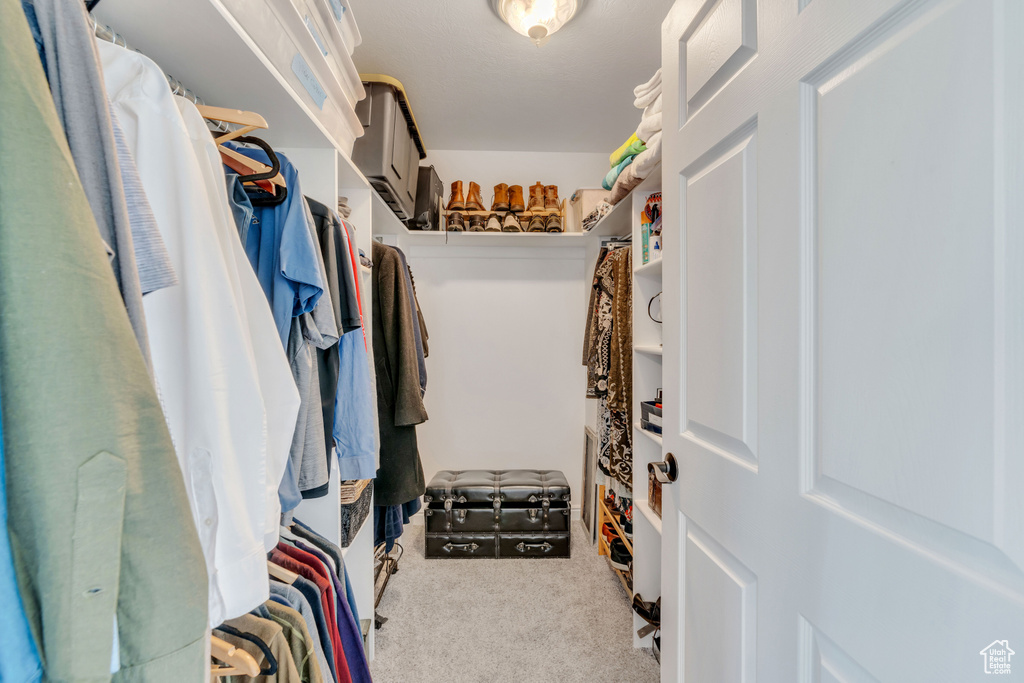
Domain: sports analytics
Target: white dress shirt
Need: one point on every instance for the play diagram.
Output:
(205, 359)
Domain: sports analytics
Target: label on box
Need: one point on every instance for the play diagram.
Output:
(337, 8)
(654, 419)
(316, 35)
(301, 69)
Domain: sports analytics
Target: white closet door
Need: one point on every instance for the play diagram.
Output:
(844, 340)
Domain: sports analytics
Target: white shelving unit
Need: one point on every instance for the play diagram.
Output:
(225, 67)
(647, 379)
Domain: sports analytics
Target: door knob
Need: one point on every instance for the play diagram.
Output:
(665, 471)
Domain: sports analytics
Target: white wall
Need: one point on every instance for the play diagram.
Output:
(505, 376)
(569, 171)
(506, 382)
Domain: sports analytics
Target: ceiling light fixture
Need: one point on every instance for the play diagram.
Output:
(537, 19)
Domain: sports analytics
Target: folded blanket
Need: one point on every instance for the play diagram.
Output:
(632, 146)
(653, 84)
(644, 101)
(649, 125)
(654, 107)
(624, 184)
(646, 161)
(610, 177)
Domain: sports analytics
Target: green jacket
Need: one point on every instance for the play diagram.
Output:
(99, 521)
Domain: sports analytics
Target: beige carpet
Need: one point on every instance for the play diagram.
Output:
(478, 621)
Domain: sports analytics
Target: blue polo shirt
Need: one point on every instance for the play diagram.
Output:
(280, 247)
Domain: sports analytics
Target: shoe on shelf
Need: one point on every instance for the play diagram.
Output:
(515, 198)
(553, 223)
(536, 197)
(537, 224)
(648, 611)
(619, 556)
(510, 223)
(457, 202)
(473, 200)
(500, 198)
(455, 222)
(551, 198)
(493, 224)
(476, 223)
(608, 531)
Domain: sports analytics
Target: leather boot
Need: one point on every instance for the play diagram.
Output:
(476, 223)
(536, 197)
(455, 222)
(551, 198)
(500, 198)
(515, 199)
(473, 199)
(457, 202)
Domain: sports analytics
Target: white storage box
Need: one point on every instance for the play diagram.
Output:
(325, 32)
(279, 30)
(341, 11)
(581, 203)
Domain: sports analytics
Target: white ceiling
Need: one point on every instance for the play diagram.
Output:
(475, 84)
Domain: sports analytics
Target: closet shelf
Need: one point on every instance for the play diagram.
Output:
(617, 222)
(656, 438)
(649, 350)
(647, 513)
(652, 269)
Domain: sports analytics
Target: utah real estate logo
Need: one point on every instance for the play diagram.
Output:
(997, 657)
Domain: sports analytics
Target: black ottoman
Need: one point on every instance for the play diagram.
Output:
(497, 513)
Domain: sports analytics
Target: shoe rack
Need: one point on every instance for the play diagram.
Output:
(606, 516)
(521, 215)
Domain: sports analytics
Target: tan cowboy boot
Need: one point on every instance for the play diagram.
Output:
(500, 198)
(515, 198)
(551, 198)
(456, 203)
(536, 197)
(473, 200)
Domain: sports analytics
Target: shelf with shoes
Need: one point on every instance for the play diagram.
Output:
(606, 516)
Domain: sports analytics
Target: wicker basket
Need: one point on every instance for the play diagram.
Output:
(356, 499)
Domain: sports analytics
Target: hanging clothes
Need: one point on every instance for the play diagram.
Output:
(608, 355)
(345, 381)
(67, 47)
(399, 401)
(227, 394)
(92, 477)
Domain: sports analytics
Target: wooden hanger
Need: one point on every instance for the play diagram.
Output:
(238, 660)
(280, 573)
(249, 120)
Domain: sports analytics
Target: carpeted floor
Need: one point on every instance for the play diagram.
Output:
(478, 621)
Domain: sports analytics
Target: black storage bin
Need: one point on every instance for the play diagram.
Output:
(429, 200)
(498, 514)
(650, 417)
(386, 152)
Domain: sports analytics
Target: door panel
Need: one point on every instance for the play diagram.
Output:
(844, 338)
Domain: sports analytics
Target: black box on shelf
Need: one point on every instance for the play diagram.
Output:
(650, 416)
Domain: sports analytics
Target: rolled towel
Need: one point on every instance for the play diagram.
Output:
(644, 88)
(609, 178)
(654, 107)
(631, 146)
(649, 125)
(646, 161)
(645, 100)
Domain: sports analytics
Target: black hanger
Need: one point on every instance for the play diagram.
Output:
(271, 662)
(258, 196)
(89, 4)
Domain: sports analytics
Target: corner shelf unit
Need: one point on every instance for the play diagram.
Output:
(647, 379)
